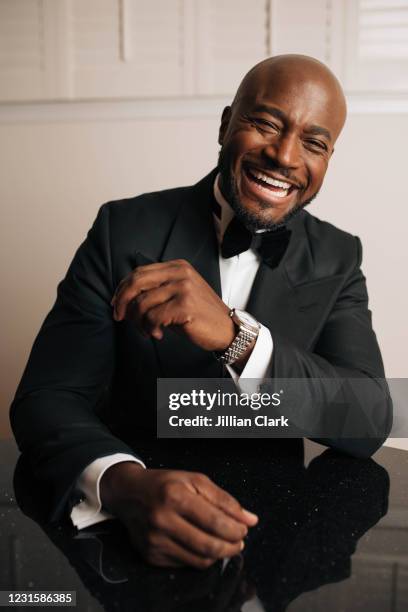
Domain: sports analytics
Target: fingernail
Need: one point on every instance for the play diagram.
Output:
(242, 546)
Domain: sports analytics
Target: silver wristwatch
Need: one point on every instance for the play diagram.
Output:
(248, 332)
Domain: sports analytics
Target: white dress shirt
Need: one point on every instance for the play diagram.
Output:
(237, 276)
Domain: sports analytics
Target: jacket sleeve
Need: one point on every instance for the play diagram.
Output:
(54, 415)
(345, 363)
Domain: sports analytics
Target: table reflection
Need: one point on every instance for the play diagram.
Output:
(310, 522)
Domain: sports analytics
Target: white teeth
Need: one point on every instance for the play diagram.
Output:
(270, 181)
(282, 193)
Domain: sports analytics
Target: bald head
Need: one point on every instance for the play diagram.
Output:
(277, 138)
(306, 73)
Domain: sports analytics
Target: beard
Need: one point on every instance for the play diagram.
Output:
(253, 221)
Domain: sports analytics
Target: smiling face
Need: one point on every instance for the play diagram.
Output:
(277, 139)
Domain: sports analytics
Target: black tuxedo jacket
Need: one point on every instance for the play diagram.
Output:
(89, 388)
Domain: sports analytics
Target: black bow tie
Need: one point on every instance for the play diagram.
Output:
(271, 246)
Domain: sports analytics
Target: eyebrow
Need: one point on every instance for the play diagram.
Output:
(315, 130)
(271, 110)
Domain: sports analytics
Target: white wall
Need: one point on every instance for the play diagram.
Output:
(365, 194)
(54, 176)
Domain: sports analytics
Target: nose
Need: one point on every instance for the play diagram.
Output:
(284, 151)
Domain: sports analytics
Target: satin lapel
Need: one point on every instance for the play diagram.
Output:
(192, 238)
(289, 300)
(193, 234)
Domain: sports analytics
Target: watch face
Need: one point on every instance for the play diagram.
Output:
(246, 318)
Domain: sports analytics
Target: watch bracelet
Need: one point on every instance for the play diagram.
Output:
(237, 347)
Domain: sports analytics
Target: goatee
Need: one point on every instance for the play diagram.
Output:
(250, 220)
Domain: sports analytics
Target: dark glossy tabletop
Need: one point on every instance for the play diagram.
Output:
(332, 535)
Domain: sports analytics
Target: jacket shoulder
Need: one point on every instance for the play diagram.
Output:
(139, 224)
(332, 245)
(166, 202)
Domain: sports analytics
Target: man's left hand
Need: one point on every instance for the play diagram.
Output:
(173, 294)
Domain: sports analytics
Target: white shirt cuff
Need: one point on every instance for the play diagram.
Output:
(257, 365)
(88, 511)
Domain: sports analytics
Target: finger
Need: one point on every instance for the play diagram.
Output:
(223, 500)
(165, 552)
(150, 545)
(204, 515)
(145, 271)
(200, 542)
(164, 315)
(154, 274)
(145, 301)
(121, 284)
(145, 278)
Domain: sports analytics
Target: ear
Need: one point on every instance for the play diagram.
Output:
(225, 119)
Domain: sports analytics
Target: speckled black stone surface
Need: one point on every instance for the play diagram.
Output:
(332, 535)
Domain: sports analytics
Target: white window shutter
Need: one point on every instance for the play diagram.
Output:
(25, 66)
(126, 48)
(232, 36)
(104, 49)
(301, 27)
(95, 33)
(376, 46)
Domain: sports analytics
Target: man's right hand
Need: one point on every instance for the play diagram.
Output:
(174, 517)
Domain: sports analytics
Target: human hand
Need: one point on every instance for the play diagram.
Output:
(173, 294)
(175, 518)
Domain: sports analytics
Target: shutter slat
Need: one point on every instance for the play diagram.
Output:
(381, 31)
(376, 46)
(21, 44)
(127, 48)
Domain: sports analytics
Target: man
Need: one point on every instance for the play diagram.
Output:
(239, 239)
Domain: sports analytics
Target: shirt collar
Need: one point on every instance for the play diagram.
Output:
(227, 213)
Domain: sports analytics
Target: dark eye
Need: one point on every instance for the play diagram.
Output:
(263, 124)
(316, 145)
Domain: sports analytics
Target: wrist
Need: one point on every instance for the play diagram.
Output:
(114, 484)
(233, 330)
